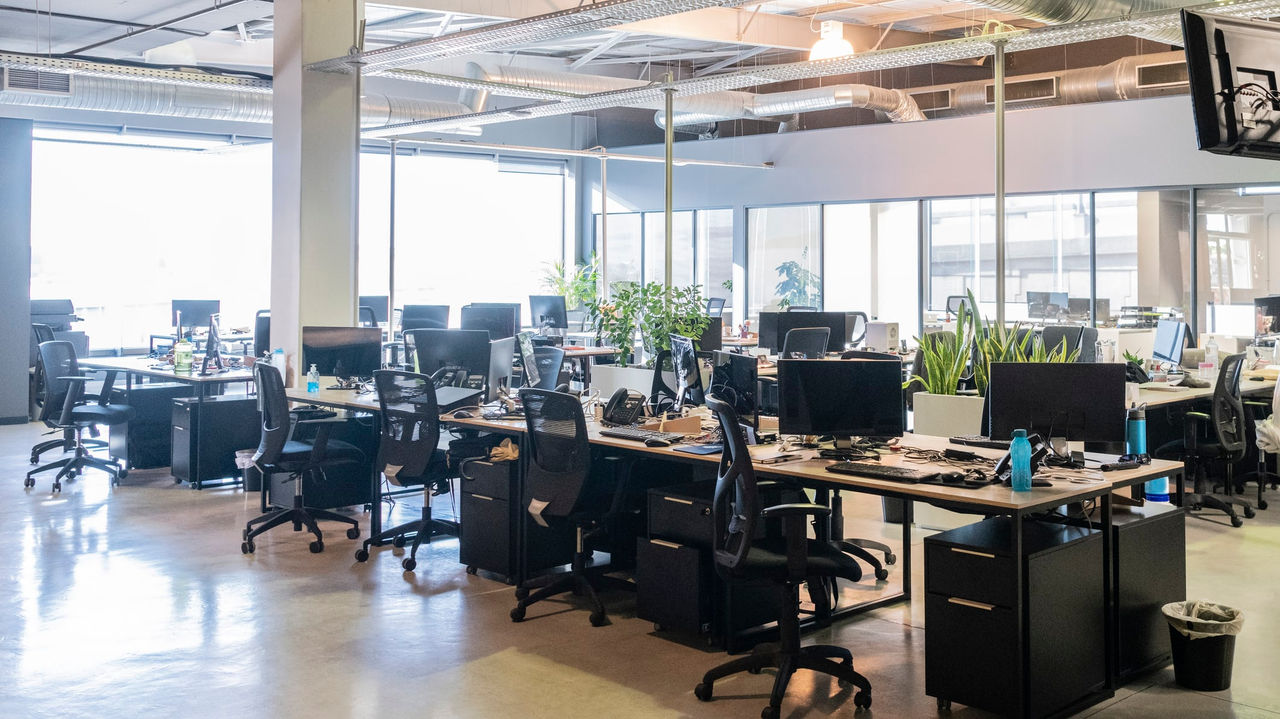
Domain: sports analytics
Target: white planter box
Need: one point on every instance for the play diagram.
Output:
(607, 378)
(943, 415)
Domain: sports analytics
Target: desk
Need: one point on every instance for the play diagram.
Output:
(147, 367)
(583, 356)
(1166, 397)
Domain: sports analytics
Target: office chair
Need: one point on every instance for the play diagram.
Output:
(801, 308)
(409, 455)
(1084, 339)
(41, 333)
(559, 490)
(550, 362)
(955, 302)
(662, 396)
(261, 333)
(64, 407)
(368, 318)
(788, 562)
(807, 342)
(1217, 436)
(279, 451)
(858, 332)
(715, 307)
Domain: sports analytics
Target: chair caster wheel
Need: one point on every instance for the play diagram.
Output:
(862, 700)
(317, 546)
(1248, 513)
(769, 712)
(353, 533)
(34, 459)
(1237, 522)
(944, 705)
(409, 563)
(398, 542)
(517, 614)
(72, 474)
(247, 547)
(1262, 504)
(891, 559)
(57, 486)
(882, 574)
(702, 692)
(471, 570)
(522, 593)
(598, 619)
(122, 474)
(28, 483)
(362, 555)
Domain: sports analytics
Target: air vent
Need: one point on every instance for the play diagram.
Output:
(932, 99)
(1037, 89)
(1165, 74)
(54, 83)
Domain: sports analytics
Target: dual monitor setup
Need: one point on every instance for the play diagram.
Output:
(1057, 305)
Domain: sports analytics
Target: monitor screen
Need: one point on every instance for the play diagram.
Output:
(1083, 402)
(379, 304)
(1171, 335)
(499, 320)
(194, 313)
(548, 311)
(502, 352)
(1078, 307)
(524, 345)
(767, 330)
(835, 321)
(843, 398)
(429, 350)
(1232, 70)
(734, 380)
(342, 351)
(1048, 304)
(424, 317)
(1266, 312)
(684, 362)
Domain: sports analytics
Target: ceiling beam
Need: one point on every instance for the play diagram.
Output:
(598, 50)
(730, 61)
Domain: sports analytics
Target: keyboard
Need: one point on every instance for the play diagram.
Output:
(879, 471)
(977, 440)
(639, 435)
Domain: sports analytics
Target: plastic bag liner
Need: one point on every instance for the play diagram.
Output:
(1268, 434)
(244, 458)
(1198, 619)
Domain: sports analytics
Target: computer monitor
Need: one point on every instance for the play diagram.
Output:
(837, 322)
(1171, 337)
(524, 345)
(212, 345)
(1232, 64)
(734, 380)
(767, 331)
(548, 311)
(1081, 402)
(424, 317)
(430, 350)
(1266, 312)
(342, 351)
(1101, 310)
(1047, 304)
(380, 304)
(712, 337)
(192, 313)
(502, 354)
(684, 363)
(499, 320)
(1078, 307)
(841, 398)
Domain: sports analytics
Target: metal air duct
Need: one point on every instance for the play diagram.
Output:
(1057, 12)
(732, 105)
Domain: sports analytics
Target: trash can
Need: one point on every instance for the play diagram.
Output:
(1202, 636)
(252, 477)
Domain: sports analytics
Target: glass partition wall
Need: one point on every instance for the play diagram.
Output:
(702, 249)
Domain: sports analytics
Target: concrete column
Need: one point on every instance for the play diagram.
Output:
(315, 170)
(15, 270)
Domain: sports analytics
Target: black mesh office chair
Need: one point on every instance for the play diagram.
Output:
(1084, 339)
(715, 306)
(1218, 436)
(955, 302)
(788, 561)
(367, 317)
(65, 408)
(858, 332)
(409, 454)
(550, 363)
(805, 343)
(279, 451)
(559, 491)
(41, 333)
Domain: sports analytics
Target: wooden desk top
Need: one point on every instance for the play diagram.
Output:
(589, 352)
(1171, 396)
(148, 367)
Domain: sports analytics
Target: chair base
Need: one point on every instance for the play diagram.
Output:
(1263, 477)
(817, 658)
(862, 548)
(300, 517)
(581, 580)
(71, 467)
(420, 529)
(1226, 505)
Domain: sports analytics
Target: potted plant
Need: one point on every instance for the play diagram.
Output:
(939, 409)
(578, 286)
(656, 312)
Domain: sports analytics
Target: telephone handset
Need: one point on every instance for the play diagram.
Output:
(1039, 450)
(624, 407)
(450, 376)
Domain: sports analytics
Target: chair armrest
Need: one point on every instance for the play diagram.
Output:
(320, 445)
(795, 510)
(1197, 416)
(795, 528)
(74, 378)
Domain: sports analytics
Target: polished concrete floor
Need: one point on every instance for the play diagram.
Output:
(136, 602)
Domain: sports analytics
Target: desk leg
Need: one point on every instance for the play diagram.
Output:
(908, 518)
(1021, 676)
(375, 486)
(197, 481)
(586, 373)
(1110, 594)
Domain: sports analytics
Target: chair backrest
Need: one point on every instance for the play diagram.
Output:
(58, 359)
(550, 362)
(808, 342)
(410, 421)
(261, 333)
(858, 331)
(1228, 411)
(1083, 338)
(39, 333)
(276, 424)
(735, 508)
(715, 307)
(954, 303)
(367, 317)
(801, 308)
(560, 454)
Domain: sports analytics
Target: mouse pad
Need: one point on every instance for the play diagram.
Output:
(700, 449)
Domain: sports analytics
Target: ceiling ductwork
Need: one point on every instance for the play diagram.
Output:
(730, 105)
(1059, 12)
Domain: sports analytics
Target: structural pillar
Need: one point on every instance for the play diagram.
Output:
(315, 171)
(15, 271)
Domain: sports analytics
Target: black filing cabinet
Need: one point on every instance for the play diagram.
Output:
(145, 439)
(972, 653)
(231, 423)
(1151, 571)
(489, 524)
(677, 587)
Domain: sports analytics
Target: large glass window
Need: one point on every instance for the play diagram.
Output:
(122, 230)
(375, 224)
(1046, 254)
(871, 261)
(682, 249)
(623, 260)
(784, 257)
(1235, 236)
(962, 255)
(715, 253)
(1116, 237)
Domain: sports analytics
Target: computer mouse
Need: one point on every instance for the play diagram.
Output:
(462, 414)
(951, 477)
(656, 442)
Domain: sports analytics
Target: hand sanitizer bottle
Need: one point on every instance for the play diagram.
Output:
(313, 380)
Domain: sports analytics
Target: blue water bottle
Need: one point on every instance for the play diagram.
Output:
(1020, 467)
(1157, 490)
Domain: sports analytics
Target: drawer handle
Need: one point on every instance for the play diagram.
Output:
(481, 496)
(678, 500)
(176, 428)
(985, 555)
(971, 604)
(664, 543)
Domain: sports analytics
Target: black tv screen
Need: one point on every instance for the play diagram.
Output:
(1231, 67)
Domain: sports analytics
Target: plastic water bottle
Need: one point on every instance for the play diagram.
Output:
(277, 359)
(183, 355)
(1211, 353)
(1157, 490)
(313, 380)
(1020, 470)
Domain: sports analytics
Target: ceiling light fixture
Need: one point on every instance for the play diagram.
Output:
(831, 43)
(1259, 190)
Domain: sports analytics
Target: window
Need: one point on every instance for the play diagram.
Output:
(1116, 237)
(1232, 228)
(784, 257)
(623, 260)
(1046, 251)
(375, 225)
(122, 230)
(870, 261)
(962, 255)
(655, 248)
(715, 253)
